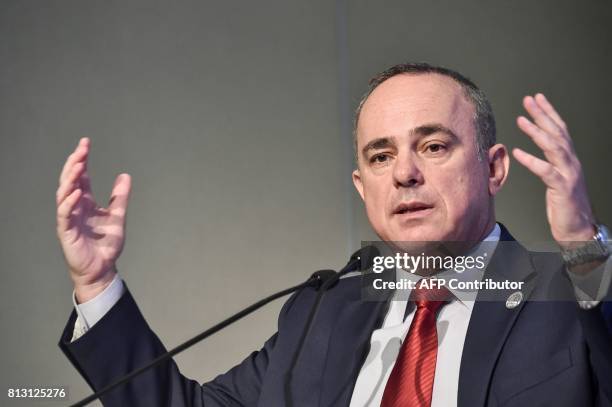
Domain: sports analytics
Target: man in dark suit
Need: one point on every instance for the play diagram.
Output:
(428, 170)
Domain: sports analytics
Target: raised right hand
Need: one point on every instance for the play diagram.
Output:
(91, 237)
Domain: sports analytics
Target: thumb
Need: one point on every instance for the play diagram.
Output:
(120, 195)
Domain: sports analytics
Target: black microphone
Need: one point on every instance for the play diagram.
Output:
(321, 277)
(316, 280)
(361, 260)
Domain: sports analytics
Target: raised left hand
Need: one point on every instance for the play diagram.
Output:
(567, 203)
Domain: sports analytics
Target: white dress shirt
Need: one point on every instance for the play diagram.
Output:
(452, 324)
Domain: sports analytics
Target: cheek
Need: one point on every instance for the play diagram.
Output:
(375, 195)
(464, 194)
(374, 200)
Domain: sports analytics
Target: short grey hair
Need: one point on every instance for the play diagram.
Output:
(484, 120)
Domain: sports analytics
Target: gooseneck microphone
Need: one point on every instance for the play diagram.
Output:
(316, 280)
(361, 260)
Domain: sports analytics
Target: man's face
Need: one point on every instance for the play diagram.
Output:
(418, 171)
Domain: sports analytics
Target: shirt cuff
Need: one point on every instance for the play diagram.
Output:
(593, 286)
(90, 312)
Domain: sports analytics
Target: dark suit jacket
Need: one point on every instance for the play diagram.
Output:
(540, 353)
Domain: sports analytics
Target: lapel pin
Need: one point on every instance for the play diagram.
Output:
(514, 300)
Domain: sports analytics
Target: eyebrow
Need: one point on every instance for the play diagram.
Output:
(420, 131)
(428, 129)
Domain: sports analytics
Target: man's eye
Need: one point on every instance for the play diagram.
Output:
(435, 148)
(379, 159)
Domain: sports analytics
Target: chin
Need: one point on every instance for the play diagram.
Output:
(420, 233)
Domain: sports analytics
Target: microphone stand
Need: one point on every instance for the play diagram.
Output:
(315, 280)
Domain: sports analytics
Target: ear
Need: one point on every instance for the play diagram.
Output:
(358, 182)
(499, 166)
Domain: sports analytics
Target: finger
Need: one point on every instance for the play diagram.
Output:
(120, 195)
(552, 149)
(80, 153)
(72, 159)
(543, 120)
(543, 102)
(69, 184)
(65, 209)
(543, 169)
(84, 180)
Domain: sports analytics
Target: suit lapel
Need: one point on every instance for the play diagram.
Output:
(491, 321)
(348, 346)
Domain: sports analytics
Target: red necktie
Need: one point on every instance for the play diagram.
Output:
(411, 381)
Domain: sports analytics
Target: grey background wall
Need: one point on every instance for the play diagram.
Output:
(234, 121)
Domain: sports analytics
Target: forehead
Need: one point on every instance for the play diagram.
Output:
(407, 101)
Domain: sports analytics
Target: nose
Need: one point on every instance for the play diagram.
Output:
(406, 172)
